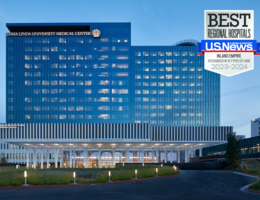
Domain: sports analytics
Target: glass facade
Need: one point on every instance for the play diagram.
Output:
(250, 148)
(83, 79)
(171, 87)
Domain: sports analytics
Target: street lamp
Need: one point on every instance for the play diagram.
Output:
(74, 176)
(156, 172)
(25, 176)
(109, 174)
(136, 174)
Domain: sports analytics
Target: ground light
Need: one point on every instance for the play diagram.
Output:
(74, 176)
(156, 172)
(109, 174)
(136, 174)
(25, 177)
(123, 164)
(143, 164)
(161, 165)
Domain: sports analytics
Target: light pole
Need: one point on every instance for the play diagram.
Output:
(74, 176)
(25, 176)
(109, 174)
(136, 174)
(156, 172)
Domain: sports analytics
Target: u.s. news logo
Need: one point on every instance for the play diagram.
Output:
(228, 46)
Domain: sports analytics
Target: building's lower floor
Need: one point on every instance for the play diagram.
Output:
(103, 145)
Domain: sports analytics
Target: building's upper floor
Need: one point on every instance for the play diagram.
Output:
(90, 73)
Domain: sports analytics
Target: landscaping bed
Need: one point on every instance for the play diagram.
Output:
(255, 186)
(10, 176)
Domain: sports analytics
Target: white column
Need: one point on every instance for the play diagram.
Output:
(128, 155)
(157, 154)
(70, 158)
(34, 158)
(48, 158)
(56, 158)
(61, 158)
(165, 154)
(200, 152)
(41, 158)
(86, 163)
(152, 152)
(113, 158)
(99, 159)
(139, 156)
(126, 152)
(27, 159)
(85, 158)
(179, 156)
(186, 155)
(74, 159)
(171, 159)
(142, 156)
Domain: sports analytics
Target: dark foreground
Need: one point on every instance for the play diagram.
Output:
(189, 185)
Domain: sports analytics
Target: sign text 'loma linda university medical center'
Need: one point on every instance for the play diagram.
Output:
(229, 46)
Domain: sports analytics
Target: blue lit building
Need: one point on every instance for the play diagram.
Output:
(82, 90)
(53, 76)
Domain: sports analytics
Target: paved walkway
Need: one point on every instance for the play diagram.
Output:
(190, 185)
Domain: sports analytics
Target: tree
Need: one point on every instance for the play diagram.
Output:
(233, 150)
(3, 158)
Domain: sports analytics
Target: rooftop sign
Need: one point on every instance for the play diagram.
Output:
(29, 34)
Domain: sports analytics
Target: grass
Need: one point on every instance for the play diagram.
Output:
(14, 177)
(255, 186)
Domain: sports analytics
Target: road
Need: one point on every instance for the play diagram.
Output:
(189, 185)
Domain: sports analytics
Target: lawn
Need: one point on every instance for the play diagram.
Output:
(10, 176)
(255, 186)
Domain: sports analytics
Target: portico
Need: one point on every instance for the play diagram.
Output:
(105, 154)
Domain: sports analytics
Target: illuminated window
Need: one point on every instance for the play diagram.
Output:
(79, 83)
(54, 48)
(79, 108)
(62, 57)
(62, 82)
(104, 116)
(62, 117)
(103, 91)
(28, 57)
(160, 84)
(145, 91)
(62, 40)
(45, 57)
(168, 76)
(168, 53)
(161, 92)
(28, 83)
(145, 99)
(168, 107)
(88, 91)
(106, 108)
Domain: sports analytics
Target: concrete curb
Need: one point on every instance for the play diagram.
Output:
(245, 188)
(93, 184)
